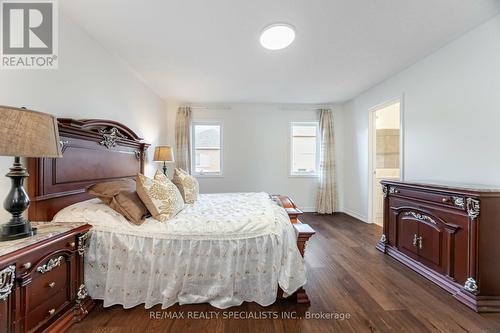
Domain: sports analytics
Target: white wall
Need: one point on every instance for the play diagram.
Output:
(451, 117)
(90, 83)
(256, 149)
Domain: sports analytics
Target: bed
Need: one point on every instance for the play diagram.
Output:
(224, 249)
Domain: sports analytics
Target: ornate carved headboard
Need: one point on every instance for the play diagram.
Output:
(93, 151)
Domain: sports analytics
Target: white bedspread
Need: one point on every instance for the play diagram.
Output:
(224, 249)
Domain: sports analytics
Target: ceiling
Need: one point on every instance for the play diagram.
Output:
(209, 51)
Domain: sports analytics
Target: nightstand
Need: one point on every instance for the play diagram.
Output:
(41, 279)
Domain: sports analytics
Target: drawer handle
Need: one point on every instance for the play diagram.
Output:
(418, 241)
(27, 265)
(52, 311)
(72, 244)
(446, 200)
(52, 285)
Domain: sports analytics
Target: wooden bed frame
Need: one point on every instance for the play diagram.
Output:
(93, 151)
(102, 150)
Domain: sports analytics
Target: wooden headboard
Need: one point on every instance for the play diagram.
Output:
(93, 151)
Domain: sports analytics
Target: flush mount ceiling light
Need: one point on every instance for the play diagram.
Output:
(277, 36)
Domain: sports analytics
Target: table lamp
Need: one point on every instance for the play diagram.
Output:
(164, 154)
(24, 133)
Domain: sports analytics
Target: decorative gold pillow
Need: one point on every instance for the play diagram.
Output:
(187, 185)
(162, 198)
(161, 177)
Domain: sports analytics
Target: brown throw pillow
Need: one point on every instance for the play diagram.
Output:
(130, 206)
(121, 196)
(107, 190)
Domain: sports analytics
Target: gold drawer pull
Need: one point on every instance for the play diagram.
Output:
(446, 200)
(52, 311)
(27, 265)
(72, 244)
(52, 285)
(415, 239)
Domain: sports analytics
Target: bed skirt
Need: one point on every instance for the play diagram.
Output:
(130, 270)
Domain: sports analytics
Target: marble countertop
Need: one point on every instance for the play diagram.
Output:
(45, 230)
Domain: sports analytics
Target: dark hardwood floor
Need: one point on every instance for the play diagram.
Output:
(346, 276)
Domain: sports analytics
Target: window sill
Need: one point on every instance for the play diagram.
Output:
(208, 175)
(303, 176)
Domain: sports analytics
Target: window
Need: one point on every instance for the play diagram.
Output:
(304, 149)
(207, 149)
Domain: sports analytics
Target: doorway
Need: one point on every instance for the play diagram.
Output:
(385, 153)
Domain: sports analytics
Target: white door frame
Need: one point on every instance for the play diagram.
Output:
(372, 148)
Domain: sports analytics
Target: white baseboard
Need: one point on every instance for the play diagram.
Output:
(308, 209)
(355, 215)
(340, 210)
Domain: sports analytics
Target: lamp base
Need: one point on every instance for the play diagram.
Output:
(165, 168)
(11, 231)
(16, 203)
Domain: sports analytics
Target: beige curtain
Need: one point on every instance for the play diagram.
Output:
(183, 138)
(326, 198)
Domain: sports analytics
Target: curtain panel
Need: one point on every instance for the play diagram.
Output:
(326, 197)
(183, 138)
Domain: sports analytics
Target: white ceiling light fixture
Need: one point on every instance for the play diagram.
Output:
(277, 36)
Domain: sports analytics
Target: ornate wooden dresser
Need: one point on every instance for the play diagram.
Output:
(449, 234)
(41, 279)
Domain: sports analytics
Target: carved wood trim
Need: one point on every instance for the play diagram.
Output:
(96, 125)
(473, 208)
(419, 216)
(50, 265)
(7, 277)
(408, 211)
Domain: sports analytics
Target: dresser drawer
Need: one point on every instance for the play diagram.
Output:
(446, 199)
(48, 309)
(45, 285)
(25, 263)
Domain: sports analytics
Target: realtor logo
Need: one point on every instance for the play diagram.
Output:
(29, 34)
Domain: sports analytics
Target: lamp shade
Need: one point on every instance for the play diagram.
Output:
(163, 154)
(28, 133)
